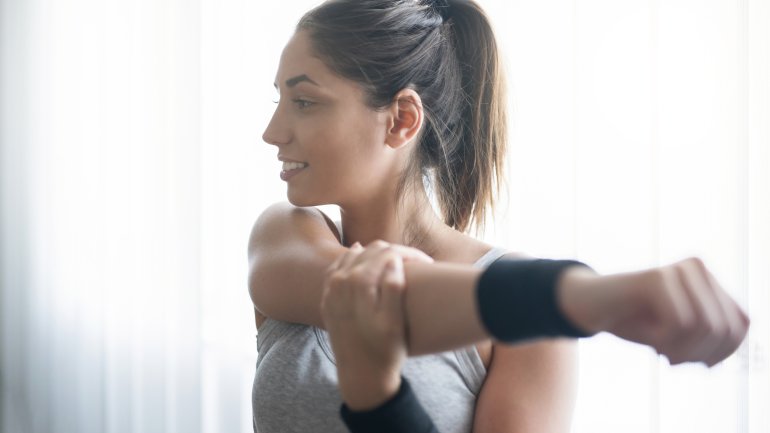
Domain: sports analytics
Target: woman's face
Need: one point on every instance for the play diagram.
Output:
(322, 122)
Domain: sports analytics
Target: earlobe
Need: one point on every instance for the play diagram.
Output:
(406, 118)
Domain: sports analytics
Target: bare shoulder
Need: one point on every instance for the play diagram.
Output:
(289, 250)
(283, 222)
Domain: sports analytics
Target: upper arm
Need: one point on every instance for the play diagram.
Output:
(289, 250)
(530, 387)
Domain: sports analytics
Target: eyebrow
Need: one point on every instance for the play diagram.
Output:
(291, 82)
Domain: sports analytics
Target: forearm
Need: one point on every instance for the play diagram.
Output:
(291, 250)
(440, 301)
(441, 307)
(442, 310)
(521, 300)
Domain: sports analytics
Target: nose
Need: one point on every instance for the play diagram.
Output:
(277, 132)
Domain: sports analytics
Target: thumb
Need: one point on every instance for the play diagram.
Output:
(392, 286)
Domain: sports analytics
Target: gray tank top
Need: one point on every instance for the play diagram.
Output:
(295, 385)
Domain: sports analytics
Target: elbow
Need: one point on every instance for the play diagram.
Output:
(264, 277)
(256, 288)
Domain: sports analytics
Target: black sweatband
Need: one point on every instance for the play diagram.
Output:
(402, 413)
(517, 300)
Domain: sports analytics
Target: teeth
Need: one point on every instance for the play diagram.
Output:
(293, 165)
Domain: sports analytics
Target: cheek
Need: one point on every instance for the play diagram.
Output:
(347, 139)
(346, 152)
(360, 155)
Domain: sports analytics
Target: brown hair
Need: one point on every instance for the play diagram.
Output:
(449, 56)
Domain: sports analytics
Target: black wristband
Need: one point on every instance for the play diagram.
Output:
(402, 413)
(517, 300)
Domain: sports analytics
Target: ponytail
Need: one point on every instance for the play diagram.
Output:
(472, 177)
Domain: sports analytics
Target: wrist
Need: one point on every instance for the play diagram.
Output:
(367, 390)
(402, 413)
(577, 301)
(518, 300)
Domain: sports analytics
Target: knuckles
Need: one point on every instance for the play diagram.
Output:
(661, 277)
(690, 328)
(691, 265)
(362, 275)
(379, 243)
(697, 263)
(336, 280)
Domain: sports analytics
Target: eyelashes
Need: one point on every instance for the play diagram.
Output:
(301, 104)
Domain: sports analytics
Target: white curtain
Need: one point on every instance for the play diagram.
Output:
(132, 168)
(641, 136)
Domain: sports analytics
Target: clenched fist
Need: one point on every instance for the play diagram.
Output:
(680, 309)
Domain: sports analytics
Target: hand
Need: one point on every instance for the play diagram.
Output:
(680, 310)
(363, 312)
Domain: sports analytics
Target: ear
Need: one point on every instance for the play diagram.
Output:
(405, 117)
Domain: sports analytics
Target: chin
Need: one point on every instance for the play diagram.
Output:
(300, 200)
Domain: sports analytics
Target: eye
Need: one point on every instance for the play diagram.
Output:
(303, 103)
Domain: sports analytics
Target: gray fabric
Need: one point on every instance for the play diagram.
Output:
(295, 385)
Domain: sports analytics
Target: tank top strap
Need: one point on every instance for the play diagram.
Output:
(469, 361)
(490, 256)
(338, 224)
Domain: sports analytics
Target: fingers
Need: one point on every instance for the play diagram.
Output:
(702, 323)
(706, 330)
(361, 273)
(371, 267)
(738, 322)
(348, 274)
(673, 312)
(337, 296)
(344, 261)
(680, 310)
(412, 254)
(392, 286)
(379, 247)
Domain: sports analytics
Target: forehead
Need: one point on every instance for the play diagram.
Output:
(298, 59)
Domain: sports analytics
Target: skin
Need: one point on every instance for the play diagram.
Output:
(366, 325)
(679, 309)
(354, 154)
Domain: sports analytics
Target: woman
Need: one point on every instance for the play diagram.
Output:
(375, 97)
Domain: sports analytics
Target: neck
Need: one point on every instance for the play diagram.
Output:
(411, 222)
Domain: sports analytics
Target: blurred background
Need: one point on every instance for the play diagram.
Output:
(132, 169)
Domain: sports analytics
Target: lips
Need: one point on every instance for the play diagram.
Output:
(292, 165)
(291, 168)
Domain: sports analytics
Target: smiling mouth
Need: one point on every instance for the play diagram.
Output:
(288, 166)
(292, 168)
